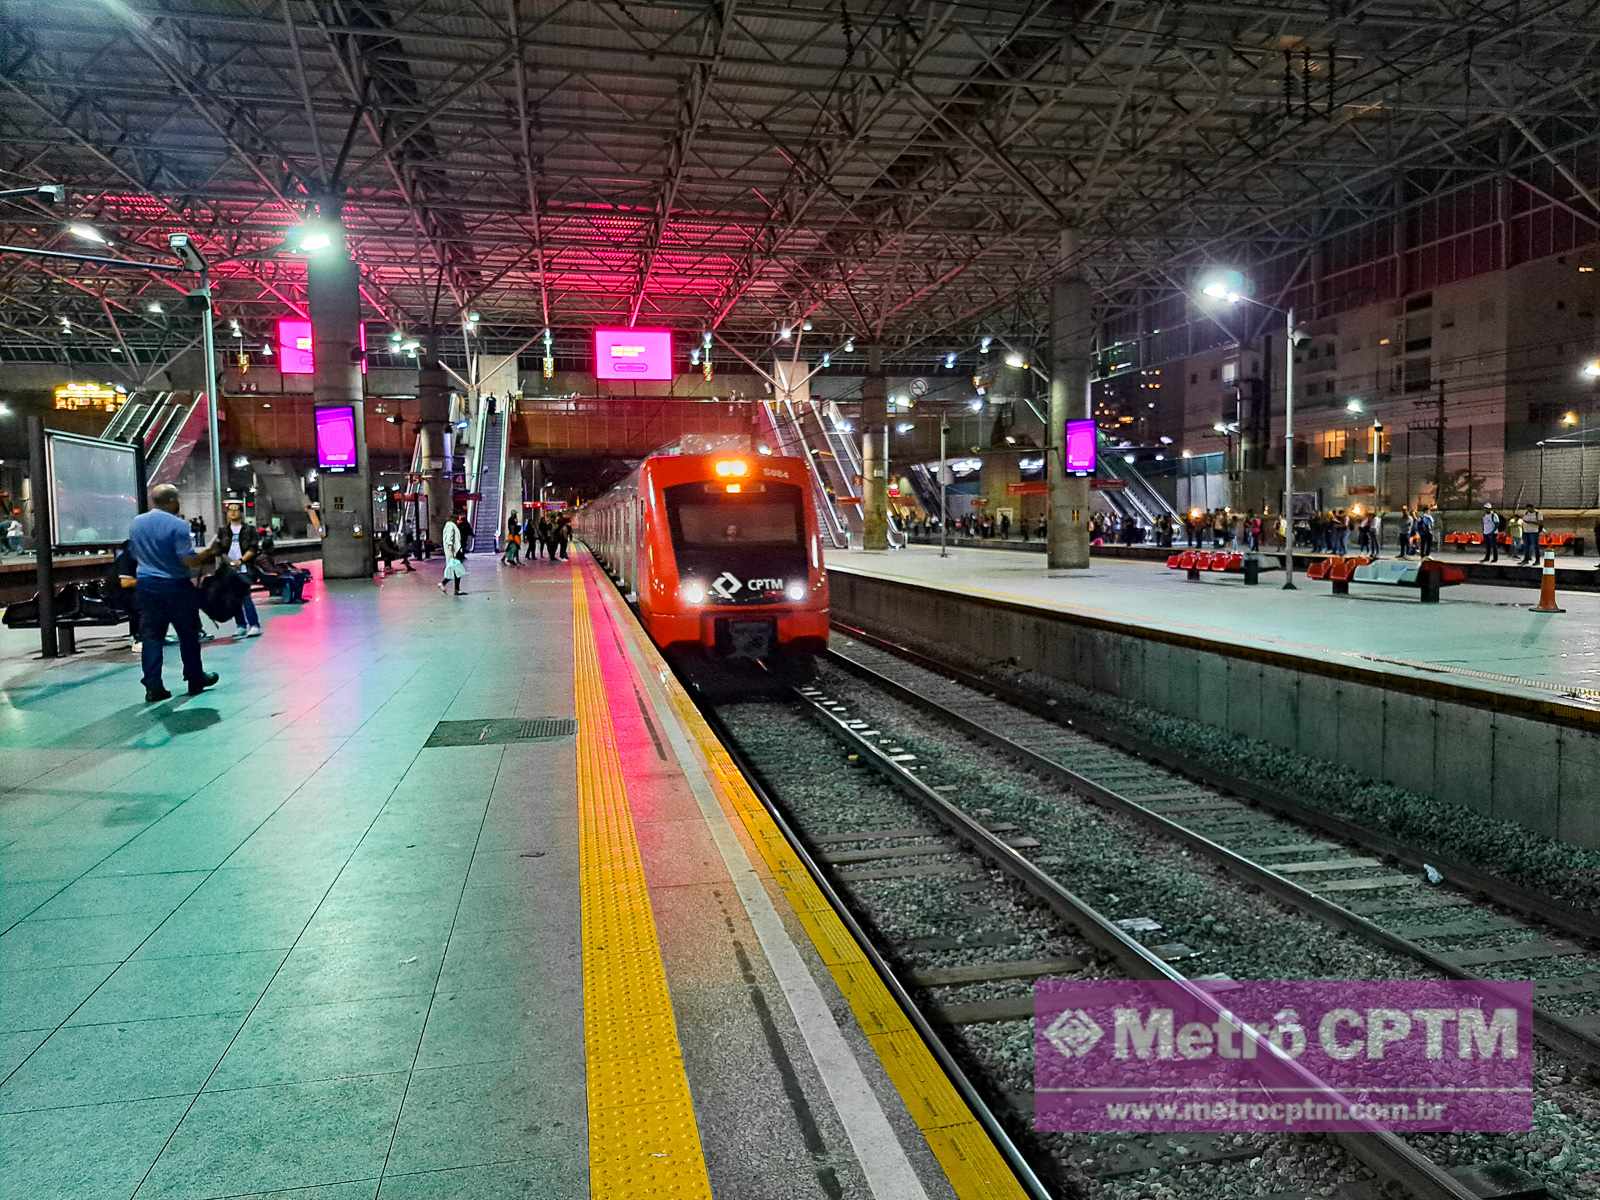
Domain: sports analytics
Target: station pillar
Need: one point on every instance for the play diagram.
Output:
(1071, 332)
(433, 420)
(334, 287)
(874, 477)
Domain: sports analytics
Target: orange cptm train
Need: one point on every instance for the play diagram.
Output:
(720, 551)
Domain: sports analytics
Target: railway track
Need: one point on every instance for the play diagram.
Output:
(1452, 919)
(976, 972)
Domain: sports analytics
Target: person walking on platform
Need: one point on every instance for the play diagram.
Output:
(1532, 527)
(455, 553)
(513, 539)
(1491, 534)
(163, 545)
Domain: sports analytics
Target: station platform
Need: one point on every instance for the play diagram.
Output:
(1482, 635)
(431, 896)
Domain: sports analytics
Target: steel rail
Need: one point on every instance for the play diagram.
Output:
(1009, 1150)
(1382, 1151)
(1559, 1033)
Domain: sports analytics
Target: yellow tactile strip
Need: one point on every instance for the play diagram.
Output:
(643, 1138)
(965, 1151)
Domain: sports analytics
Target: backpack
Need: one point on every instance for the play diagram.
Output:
(1499, 523)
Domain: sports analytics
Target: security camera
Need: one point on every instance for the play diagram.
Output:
(52, 193)
(1378, 425)
(188, 253)
(1301, 340)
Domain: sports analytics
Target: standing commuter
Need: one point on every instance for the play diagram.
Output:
(1407, 527)
(563, 534)
(1491, 534)
(241, 541)
(513, 539)
(1425, 528)
(455, 552)
(163, 545)
(1532, 527)
(1375, 522)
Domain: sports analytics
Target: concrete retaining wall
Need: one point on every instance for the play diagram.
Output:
(1530, 761)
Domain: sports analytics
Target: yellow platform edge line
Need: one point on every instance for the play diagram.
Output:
(643, 1136)
(965, 1152)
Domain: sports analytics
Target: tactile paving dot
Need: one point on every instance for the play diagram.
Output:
(643, 1137)
(654, 1079)
(929, 1095)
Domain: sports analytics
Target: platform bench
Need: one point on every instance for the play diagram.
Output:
(1427, 576)
(1220, 562)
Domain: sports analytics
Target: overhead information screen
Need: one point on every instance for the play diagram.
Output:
(336, 438)
(297, 353)
(633, 353)
(1080, 447)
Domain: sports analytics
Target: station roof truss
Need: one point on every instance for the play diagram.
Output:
(896, 171)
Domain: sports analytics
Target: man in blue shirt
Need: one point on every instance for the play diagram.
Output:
(163, 544)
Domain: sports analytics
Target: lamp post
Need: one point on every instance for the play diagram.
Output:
(1220, 290)
(944, 432)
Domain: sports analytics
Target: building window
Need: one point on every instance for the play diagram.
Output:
(1230, 372)
(1419, 374)
(1327, 388)
(1333, 445)
(1418, 303)
(1213, 373)
(1194, 377)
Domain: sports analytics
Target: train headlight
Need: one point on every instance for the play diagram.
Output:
(795, 591)
(693, 593)
(732, 468)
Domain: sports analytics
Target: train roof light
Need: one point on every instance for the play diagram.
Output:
(735, 468)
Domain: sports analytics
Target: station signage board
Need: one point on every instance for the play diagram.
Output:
(632, 354)
(296, 349)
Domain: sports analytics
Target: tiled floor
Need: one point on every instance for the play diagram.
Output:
(262, 942)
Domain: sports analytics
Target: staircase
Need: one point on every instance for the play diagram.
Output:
(491, 483)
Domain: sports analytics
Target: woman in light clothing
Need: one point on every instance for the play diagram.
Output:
(455, 558)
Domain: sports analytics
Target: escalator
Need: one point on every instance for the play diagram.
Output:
(491, 458)
(169, 424)
(1136, 498)
(784, 431)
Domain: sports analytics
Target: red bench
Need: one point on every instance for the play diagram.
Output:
(1219, 562)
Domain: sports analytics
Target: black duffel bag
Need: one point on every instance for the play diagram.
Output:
(223, 593)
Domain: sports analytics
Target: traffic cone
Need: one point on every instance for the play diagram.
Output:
(1547, 587)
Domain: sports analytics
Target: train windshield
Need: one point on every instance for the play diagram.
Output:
(707, 517)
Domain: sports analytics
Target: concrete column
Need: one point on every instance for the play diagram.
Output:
(1071, 338)
(433, 403)
(874, 482)
(333, 286)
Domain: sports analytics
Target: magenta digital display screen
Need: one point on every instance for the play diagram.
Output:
(1080, 447)
(336, 438)
(633, 353)
(296, 350)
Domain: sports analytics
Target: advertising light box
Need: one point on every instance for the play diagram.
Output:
(1080, 447)
(633, 353)
(296, 350)
(336, 438)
